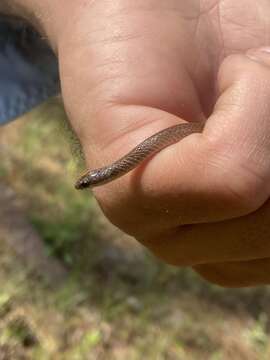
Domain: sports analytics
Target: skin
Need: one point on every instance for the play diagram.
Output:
(129, 69)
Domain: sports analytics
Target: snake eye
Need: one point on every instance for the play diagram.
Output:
(81, 184)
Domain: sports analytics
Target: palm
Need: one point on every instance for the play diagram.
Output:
(161, 54)
(219, 29)
(243, 24)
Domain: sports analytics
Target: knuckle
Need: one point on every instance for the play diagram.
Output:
(244, 189)
(169, 250)
(236, 180)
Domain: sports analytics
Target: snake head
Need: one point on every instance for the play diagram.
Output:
(90, 179)
(82, 183)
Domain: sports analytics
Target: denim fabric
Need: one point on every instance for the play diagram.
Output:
(28, 70)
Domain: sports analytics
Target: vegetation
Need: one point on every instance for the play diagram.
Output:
(115, 301)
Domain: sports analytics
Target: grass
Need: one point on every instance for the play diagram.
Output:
(117, 301)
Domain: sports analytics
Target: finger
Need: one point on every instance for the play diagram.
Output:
(238, 274)
(244, 238)
(217, 175)
(224, 172)
(241, 239)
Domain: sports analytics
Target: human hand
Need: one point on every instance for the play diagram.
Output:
(129, 69)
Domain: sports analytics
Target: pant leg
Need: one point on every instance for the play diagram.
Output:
(28, 70)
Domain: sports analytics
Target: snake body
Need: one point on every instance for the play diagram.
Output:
(136, 156)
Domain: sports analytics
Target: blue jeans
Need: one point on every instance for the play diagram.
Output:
(28, 70)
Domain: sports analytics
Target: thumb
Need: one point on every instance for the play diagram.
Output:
(225, 171)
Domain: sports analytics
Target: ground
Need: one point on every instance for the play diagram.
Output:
(74, 287)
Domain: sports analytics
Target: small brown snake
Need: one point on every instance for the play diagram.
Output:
(136, 156)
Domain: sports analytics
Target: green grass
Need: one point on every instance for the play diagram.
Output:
(118, 301)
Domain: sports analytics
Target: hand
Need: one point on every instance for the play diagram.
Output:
(129, 69)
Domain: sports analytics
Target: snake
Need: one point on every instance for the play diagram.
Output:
(143, 151)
